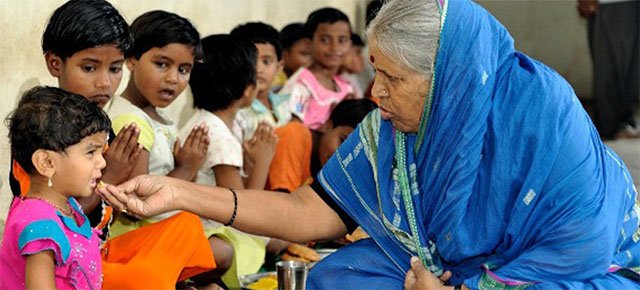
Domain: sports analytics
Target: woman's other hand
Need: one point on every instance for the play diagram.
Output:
(419, 278)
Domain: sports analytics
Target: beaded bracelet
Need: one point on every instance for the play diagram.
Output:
(235, 208)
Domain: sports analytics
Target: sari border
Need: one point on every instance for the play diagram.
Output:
(490, 280)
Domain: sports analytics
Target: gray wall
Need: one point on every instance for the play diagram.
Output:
(552, 32)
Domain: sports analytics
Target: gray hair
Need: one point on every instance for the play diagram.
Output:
(409, 32)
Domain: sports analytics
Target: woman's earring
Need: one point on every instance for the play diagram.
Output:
(50, 182)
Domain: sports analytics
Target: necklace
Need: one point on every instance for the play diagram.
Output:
(66, 212)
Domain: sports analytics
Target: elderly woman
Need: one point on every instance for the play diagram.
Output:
(480, 161)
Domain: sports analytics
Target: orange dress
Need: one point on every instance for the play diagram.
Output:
(155, 256)
(158, 255)
(291, 165)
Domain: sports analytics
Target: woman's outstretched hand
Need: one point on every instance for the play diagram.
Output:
(146, 195)
(419, 278)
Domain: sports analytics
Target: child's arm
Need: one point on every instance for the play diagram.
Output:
(228, 176)
(190, 157)
(39, 271)
(260, 149)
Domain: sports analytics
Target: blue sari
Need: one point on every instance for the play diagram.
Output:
(507, 178)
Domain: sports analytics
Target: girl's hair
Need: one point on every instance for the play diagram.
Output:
(81, 24)
(229, 67)
(356, 40)
(408, 31)
(52, 119)
(324, 15)
(351, 112)
(291, 33)
(159, 28)
(259, 33)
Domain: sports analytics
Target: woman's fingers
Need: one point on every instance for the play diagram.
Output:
(445, 276)
(409, 280)
(113, 196)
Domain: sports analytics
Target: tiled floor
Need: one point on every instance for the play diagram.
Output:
(629, 151)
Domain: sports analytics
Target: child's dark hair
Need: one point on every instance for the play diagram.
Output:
(291, 33)
(229, 67)
(159, 28)
(351, 112)
(81, 24)
(259, 33)
(324, 15)
(356, 40)
(52, 119)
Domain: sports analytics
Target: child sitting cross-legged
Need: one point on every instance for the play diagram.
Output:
(223, 84)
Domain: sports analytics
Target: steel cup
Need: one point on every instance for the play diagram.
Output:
(292, 275)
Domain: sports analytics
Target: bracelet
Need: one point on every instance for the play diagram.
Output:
(235, 208)
(457, 287)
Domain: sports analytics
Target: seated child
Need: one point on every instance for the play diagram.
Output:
(316, 90)
(223, 84)
(268, 107)
(295, 164)
(296, 52)
(48, 243)
(353, 66)
(165, 48)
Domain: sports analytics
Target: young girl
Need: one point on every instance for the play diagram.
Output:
(296, 48)
(165, 48)
(314, 91)
(48, 243)
(296, 52)
(221, 86)
(267, 106)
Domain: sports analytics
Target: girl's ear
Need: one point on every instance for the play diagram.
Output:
(326, 127)
(249, 94)
(131, 63)
(251, 91)
(43, 161)
(54, 64)
(280, 63)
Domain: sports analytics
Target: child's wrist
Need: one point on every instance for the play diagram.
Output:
(187, 171)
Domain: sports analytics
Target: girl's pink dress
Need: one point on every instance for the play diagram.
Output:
(310, 101)
(34, 226)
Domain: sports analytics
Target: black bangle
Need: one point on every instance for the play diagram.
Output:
(457, 287)
(235, 208)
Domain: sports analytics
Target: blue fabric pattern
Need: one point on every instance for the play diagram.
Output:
(45, 229)
(511, 184)
(85, 228)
